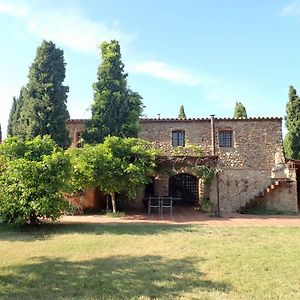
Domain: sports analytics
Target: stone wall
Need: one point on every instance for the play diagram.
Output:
(161, 185)
(237, 186)
(256, 141)
(90, 199)
(159, 131)
(75, 128)
(284, 198)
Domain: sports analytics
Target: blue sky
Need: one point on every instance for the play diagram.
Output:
(203, 54)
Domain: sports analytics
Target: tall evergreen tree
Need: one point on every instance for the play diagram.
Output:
(0, 134)
(16, 121)
(181, 114)
(116, 109)
(44, 110)
(239, 111)
(292, 122)
(11, 118)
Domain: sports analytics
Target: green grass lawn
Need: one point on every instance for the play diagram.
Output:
(149, 262)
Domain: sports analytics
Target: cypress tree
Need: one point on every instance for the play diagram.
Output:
(11, 118)
(116, 109)
(16, 121)
(292, 122)
(239, 111)
(181, 114)
(43, 110)
(0, 134)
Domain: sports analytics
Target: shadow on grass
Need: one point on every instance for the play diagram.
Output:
(121, 277)
(46, 231)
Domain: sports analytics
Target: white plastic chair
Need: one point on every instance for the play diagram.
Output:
(154, 202)
(166, 202)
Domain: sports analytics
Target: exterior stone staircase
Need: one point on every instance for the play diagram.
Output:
(260, 198)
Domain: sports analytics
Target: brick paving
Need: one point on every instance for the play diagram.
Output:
(188, 215)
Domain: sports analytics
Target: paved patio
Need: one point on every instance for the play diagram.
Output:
(188, 215)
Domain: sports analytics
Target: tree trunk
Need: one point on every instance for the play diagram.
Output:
(33, 219)
(113, 202)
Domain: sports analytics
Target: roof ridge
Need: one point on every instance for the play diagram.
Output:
(194, 119)
(216, 118)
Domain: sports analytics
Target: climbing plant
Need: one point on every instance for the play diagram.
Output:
(206, 173)
(188, 150)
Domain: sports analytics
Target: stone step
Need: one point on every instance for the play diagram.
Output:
(260, 197)
(270, 189)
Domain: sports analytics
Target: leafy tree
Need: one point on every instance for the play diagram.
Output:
(119, 165)
(32, 177)
(116, 109)
(0, 134)
(239, 110)
(181, 114)
(43, 109)
(292, 122)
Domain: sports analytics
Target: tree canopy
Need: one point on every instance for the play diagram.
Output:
(41, 108)
(181, 114)
(292, 122)
(118, 165)
(116, 108)
(33, 175)
(239, 110)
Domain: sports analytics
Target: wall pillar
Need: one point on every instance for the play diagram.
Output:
(161, 185)
(201, 189)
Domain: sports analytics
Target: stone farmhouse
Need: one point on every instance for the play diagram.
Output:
(248, 152)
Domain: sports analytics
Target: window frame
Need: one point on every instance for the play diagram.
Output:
(176, 139)
(225, 144)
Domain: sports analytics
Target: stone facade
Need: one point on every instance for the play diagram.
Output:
(247, 168)
(256, 141)
(254, 159)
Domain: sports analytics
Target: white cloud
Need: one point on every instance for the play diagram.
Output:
(75, 31)
(175, 75)
(65, 26)
(223, 91)
(13, 9)
(292, 9)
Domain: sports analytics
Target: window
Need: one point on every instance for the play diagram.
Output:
(225, 139)
(178, 138)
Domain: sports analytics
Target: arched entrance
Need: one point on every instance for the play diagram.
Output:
(186, 187)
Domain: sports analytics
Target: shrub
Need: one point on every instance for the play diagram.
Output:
(33, 175)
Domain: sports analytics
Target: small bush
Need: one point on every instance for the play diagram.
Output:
(261, 210)
(206, 205)
(118, 214)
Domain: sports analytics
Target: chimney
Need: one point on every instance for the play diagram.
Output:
(212, 128)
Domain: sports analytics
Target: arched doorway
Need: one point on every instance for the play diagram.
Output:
(184, 186)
